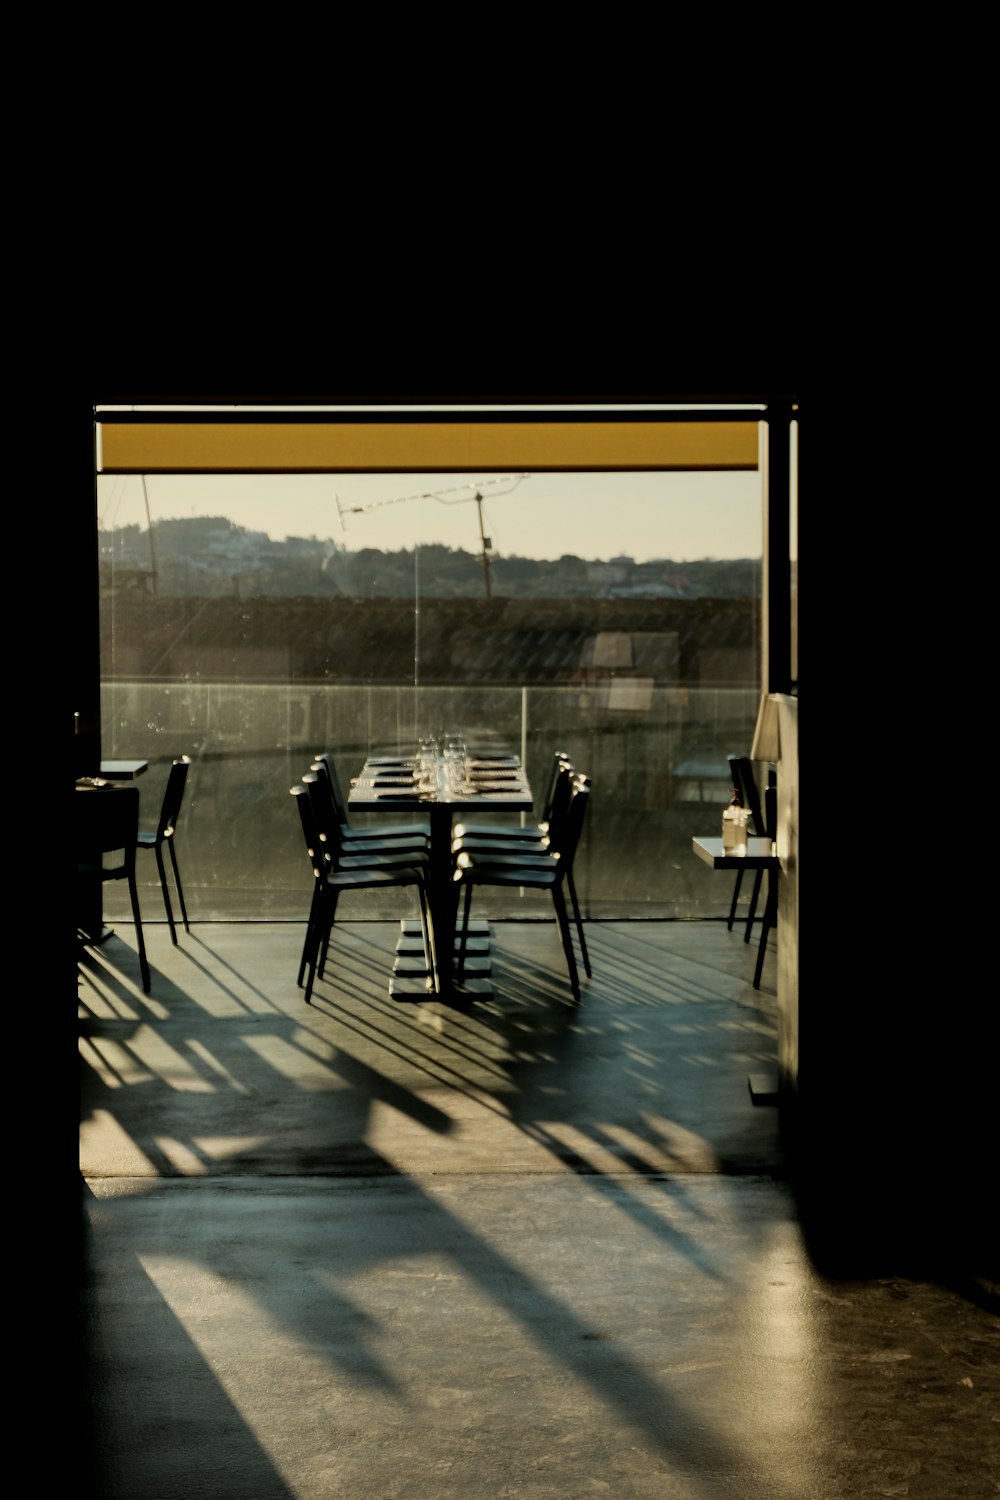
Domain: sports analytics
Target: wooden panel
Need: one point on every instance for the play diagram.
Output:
(432, 447)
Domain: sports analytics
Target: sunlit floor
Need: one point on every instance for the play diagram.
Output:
(361, 1249)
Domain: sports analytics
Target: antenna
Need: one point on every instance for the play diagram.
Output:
(441, 496)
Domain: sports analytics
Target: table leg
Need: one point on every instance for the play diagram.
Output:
(443, 898)
(410, 974)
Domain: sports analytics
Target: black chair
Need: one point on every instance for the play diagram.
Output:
(338, 854)
(535, 838)
(170, 811)
(106, 821)
(338, 845)
(518, 845)
(331, 877)
(763, 819)
(539, 829)
(352, 833)
(552, 873)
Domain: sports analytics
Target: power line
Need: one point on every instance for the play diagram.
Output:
(476, 486)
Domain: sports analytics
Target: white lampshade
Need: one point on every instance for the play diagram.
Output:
(766, 743)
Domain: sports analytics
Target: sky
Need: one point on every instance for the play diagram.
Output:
(645, 516)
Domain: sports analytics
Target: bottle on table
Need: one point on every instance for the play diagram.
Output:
(734, 826)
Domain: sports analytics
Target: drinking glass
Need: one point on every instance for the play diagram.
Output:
(455, 762)
(427, 774)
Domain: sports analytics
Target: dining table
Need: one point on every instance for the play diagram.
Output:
(444, 788)
(123, 770)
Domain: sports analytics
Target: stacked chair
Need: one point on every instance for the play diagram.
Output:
(331, 813)
(502, 844)
(511, 831)
(503, 840)
(544, 862)
(325, 765)
(339, 865)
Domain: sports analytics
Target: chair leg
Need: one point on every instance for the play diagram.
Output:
(177, 881)
(310, 966)
(317, 934)
(562, 918)
(579, 925)
(769, 920)
(736, 897)
(328, 913)
(466, 905)
(311, 928)
(133, 891)
(427, 927)
(754, 897)
(166, 892)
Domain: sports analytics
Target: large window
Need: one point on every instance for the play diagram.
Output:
(250, 620)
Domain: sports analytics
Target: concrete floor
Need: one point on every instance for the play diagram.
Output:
(362, 1249)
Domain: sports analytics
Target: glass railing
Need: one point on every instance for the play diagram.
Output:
(656, 757)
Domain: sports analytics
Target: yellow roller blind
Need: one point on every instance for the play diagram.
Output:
(409, 447)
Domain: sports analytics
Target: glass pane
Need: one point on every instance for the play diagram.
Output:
(252, 621)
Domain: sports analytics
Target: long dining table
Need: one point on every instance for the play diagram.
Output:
(443, 790)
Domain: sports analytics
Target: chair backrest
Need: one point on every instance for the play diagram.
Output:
(170, 808)
(326, 760)
(741, 767)
(570, 823)
(559, 800)
(559, 760)
(309, 830)
(545, 805)
(324, 812)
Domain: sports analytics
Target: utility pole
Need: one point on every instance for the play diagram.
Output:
(486, 548)
(513, 480)
(149, 528)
